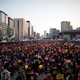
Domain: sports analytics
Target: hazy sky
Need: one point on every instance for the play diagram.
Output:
(44, 14)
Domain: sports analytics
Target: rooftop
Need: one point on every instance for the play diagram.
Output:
(3, 12)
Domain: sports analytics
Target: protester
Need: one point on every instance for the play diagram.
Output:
(5, 75)
(21, 75)
(41, 60)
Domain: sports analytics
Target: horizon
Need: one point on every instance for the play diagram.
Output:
(44, 14)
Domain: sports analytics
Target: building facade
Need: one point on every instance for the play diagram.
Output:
(45, 34)
(70, 34)
(38, 36)
(78, 28)
(20, 28)
(10, 29)
(3, 22)
(54, 33)
(34, 34)
(65, 25)
(28, 25)
(30, 29)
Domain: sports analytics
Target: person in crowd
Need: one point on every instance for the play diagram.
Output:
(21, 75)
(5, 75)
(56, 58)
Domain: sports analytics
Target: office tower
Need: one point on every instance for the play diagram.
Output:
(34, 34)
(3, 22)
(20, 28)
(1, 31)
(28, 25)
(10, 29)
(38, 35)
(78, 28)
(53, 33)
(30, 29)
(65, 25)
(45, 34)
(26, 30)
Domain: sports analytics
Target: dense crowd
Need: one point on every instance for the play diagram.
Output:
(40, 60)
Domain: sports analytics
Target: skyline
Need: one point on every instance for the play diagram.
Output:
(44, 14)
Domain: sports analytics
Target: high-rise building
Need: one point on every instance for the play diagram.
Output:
(20, 28)
(10, 29)
(26, 29)
(65, 25)
(38, 35)
(78, 28)
(34, 34)
(54, 33)
(28, 25)
(45, 34)
(30, 29)
(1, 32)
(3, 22)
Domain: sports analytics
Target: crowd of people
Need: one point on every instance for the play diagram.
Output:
(40, 60)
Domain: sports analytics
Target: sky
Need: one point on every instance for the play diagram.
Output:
(44, 14)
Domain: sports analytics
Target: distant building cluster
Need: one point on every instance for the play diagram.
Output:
(20, 29)
(53, 34)
(67, 32)
(17, 28)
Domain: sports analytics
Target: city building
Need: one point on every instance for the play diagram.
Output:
(17, 27)
(20, 28)
(38, 36)
(78, 28)
(65, 25)
(10, 29)
(30, 29)
(45, 34)
(3, 22)
(34, 34)
(54, 33)
(1, 33)
(70, 34)
(28, 25)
